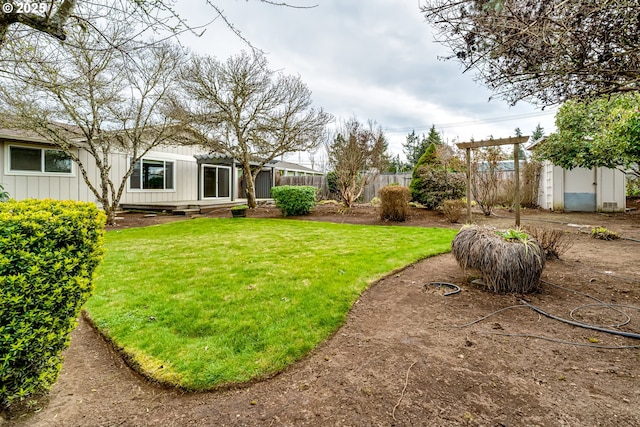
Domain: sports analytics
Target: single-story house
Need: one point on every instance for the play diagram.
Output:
(581, 190)
(170, 175)
(293, 169)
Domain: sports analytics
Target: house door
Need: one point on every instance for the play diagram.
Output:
(216, 182)
(580, 190)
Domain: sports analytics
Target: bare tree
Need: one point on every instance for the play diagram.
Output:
(94, 99)
(56, 17)
(357, 155)
(485, 177)
(543, 51)
(248, 112)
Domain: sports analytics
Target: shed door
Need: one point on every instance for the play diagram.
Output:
(580, 190)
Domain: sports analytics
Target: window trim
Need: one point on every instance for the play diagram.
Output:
(154, 190)
(41, 172)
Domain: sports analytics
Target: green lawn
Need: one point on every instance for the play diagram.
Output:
(211, 302)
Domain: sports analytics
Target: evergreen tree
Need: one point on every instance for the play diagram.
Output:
(522, 154)
(433, 181)
(433, 138)
(538, 133)
(415, 146)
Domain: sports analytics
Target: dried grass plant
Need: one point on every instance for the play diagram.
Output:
(554, 242)
(511, 265)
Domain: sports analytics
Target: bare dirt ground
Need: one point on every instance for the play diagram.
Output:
(404, 356)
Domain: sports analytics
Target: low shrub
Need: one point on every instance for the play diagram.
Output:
(48, 253)
(554, 242)
(452, 209)
(294, 200)
(604, 234)
(394, 203)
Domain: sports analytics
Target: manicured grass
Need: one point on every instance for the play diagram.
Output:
(211, 302)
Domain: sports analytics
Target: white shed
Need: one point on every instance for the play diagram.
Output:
(582, 190)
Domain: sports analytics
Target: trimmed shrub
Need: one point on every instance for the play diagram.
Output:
(394, 203)
(433, 181)
(294, 200)
(48, 252)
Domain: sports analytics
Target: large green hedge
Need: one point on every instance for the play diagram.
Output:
(48, 252)
(294, 200)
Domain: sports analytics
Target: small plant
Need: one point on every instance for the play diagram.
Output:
(604, 234)
(294, 200)
(554, 242)
(512, 235)
(239, 211)
(4, 196)
(394, 203)
(375, 201)
(452, 209)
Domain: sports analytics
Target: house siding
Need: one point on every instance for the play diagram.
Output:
(73, 187)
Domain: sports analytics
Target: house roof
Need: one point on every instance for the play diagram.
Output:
(213, 156)
(535, 143)
(294, 167)
(32, 136)
(222, 158)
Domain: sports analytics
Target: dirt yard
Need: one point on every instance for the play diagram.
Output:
(410, 355)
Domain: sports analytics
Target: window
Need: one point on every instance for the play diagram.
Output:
(39, 160)
(152, 175)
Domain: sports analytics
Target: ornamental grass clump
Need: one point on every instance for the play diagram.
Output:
(554, 242)
(394, 203)
(48, 252)
(509, 262)
(452, 209)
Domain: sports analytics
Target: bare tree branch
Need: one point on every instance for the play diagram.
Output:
(105, 102)
(544, 52)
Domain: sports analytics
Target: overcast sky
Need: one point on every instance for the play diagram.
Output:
(373, 59)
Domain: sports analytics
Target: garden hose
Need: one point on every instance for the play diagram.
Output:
(455, 288)
(582, 325)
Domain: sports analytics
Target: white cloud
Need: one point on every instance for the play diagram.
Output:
(375, 59)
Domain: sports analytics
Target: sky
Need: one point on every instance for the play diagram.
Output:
(372, 59)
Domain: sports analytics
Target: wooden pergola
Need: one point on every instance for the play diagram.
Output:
(515, 141)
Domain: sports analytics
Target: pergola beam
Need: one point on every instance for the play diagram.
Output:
(516, 141)
(493, 142)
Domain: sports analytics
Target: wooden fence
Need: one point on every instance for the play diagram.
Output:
(370, 191)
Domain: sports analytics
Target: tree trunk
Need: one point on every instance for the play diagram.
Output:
(250, 186)
(110, 212)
